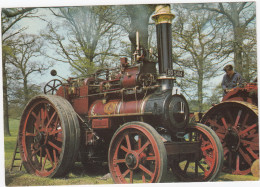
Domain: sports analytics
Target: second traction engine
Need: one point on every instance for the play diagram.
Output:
(133, 117)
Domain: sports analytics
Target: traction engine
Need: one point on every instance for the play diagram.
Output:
(235, 121)
(132, 117)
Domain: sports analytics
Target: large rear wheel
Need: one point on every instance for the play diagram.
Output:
(236, 124)
(49, 136)
(137, 154)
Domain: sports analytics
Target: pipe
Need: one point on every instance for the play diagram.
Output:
(163, 20)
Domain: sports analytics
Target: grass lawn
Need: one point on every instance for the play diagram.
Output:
(78, 175)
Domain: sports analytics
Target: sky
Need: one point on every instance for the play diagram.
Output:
(35, 26)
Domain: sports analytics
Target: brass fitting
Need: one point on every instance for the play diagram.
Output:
(163, 14)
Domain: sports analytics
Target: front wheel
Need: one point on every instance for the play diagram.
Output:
(208, 164)
(137, 154)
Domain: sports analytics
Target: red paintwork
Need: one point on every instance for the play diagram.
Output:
(101, 123)
(115, 107)
(241, 94)
(129, 79)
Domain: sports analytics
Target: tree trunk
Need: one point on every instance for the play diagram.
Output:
(5, 99)
(200, 91)
(25, 89)
(238, 40)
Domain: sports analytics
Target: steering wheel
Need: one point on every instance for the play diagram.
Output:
(52, 86)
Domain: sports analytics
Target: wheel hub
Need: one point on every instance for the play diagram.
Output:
(40, 138)
(131, 160)
(232, 139)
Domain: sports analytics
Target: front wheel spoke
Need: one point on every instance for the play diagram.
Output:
(207, 147)
(150, 158)
(120, 161)
(123, 148)
(131, 176)
(128, 142)
(143, 177)
(126, 172)
(145, 170)
(54, 146)
(144, 146)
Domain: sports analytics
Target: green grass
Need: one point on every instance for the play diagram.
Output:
(78, 175)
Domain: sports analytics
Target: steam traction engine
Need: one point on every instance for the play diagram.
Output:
(132, 117)
(235, 120)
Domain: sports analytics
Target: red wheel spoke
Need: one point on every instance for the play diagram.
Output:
(40, 156)
(253, 144)
(126, 172)
(222, 136)
(128, 142)
(143, 177)
(144, 146)
(30, 134)
(50, 120)
(238, 118)
(58, 139)
(237, 164)
(131, 176)
(55, 132)
(55, 146)
(145, 170)
(119, 161)
(247, 129)
(35, 151)
(49, 156)
(207, 147)
(245, 120)
(209, 158)
(224, 122)
(139, 142)
(252, 153)
(230, 116)
(246, 157)
(44, 162)
(214, 123)
(55, 157)
(124, 148)
(150, 158)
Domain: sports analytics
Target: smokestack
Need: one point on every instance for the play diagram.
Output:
(163, 20)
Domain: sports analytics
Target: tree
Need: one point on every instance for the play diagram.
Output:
(87, 40)
(241, 17)
(22, 60)
(9, 18)
(197, 47)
